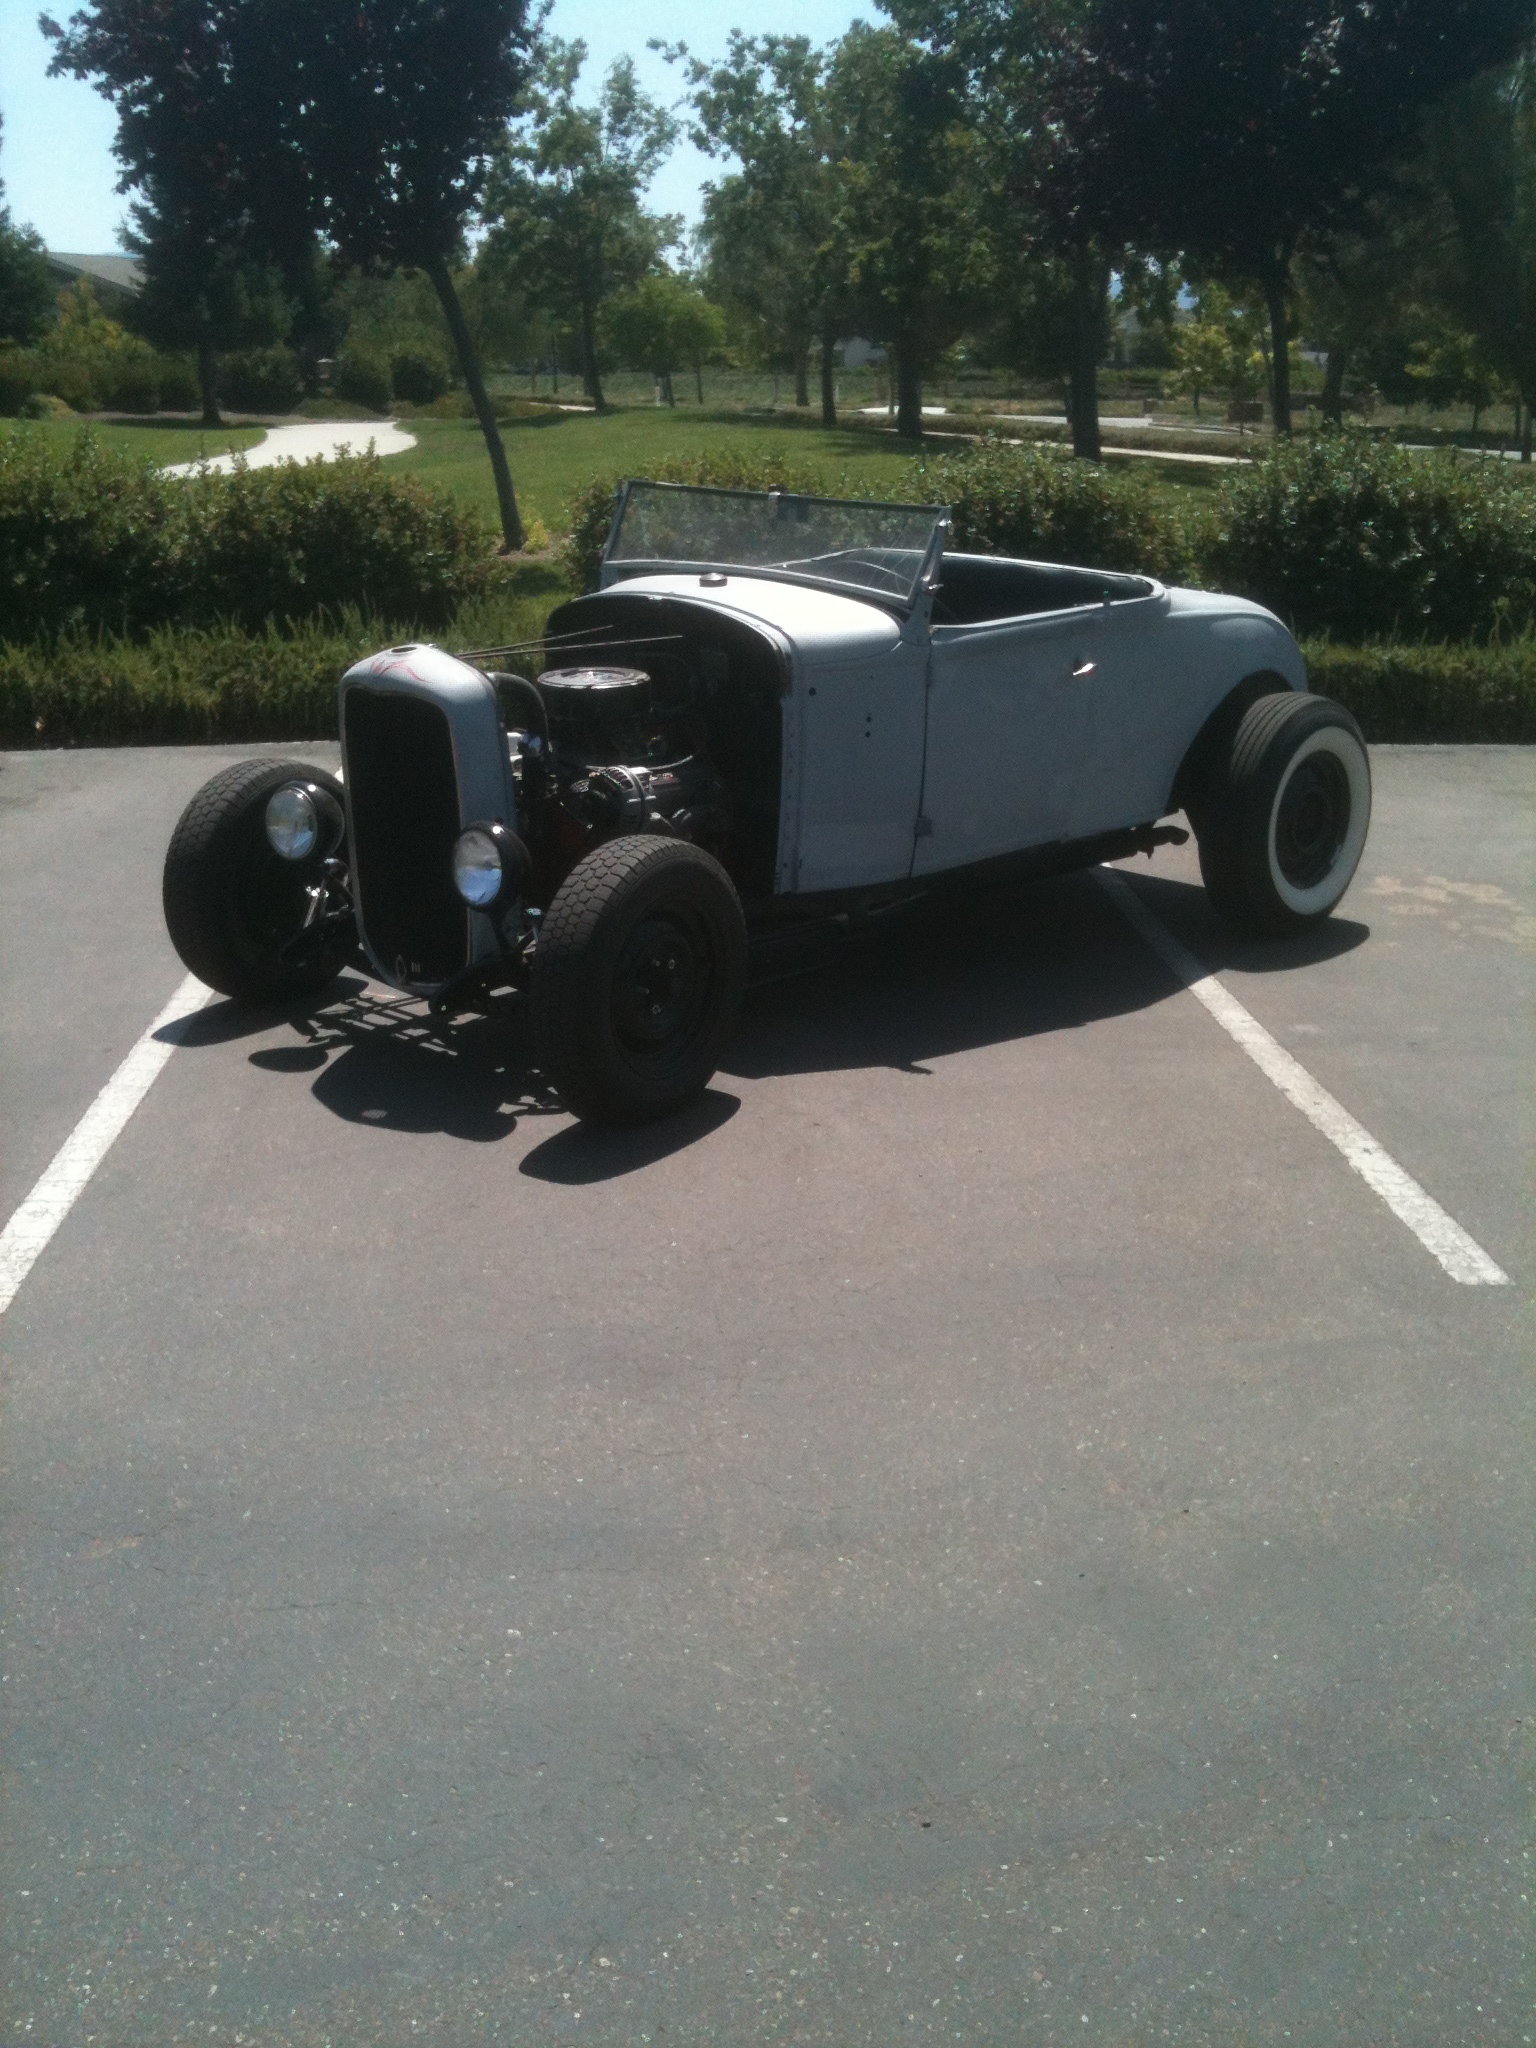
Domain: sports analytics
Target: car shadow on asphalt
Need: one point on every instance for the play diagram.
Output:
(949, 974)
(956, 973)
(380, 1058)
(579, 1156)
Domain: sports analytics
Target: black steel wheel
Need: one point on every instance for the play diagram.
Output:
(637, 978)
(1282, 824)
(232, 905)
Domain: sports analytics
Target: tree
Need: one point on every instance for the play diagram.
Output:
(662, 323)
(198, 93)
(565, 197)
(26, 289)
(768, 227)
(248, 125)
(1217, 351)
(204, 286)
(395, 112)
(910, 230)
(1229, 131)
(1450, 367)
(1020, 62)
(1483, 145)
(1357, 288)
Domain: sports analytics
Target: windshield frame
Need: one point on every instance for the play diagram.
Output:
(904, 602)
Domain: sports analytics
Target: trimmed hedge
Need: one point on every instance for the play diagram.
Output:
(178, 684)
(1014, 500)
(224, 683)
(1403, 692)
(1357, 539)
(221, 683)
(98, 541)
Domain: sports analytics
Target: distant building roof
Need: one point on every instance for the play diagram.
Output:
(115, 272)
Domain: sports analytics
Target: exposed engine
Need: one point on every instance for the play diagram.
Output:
(621, 753)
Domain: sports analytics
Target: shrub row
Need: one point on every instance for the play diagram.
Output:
(1339, 535)
(1407, 693)
(99, 541)
(1011, 500)
(1343, 536)
(134, 378)
(223, 683)
(371, 378)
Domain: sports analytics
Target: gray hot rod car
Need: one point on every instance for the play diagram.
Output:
(774, 709)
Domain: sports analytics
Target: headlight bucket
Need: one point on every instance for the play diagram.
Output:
(490, 866)
(303, 819)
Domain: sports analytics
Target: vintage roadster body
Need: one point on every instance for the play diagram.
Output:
(773, 709)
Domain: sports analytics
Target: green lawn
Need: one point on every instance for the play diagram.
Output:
(554, 458)
(167, 441)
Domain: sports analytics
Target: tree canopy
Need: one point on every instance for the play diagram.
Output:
(769, 224)
(565, 200)
(246, 126)
(26, 289)
(1228, 132)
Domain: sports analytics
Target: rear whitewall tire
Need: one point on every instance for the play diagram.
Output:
(1338, 744)
(1282, 821)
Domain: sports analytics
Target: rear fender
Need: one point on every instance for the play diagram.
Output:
(1214, 739)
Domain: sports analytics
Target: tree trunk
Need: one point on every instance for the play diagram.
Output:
(909, 390)
(666, 389)
(828, 388)
(1090, 287)
(1280, 355)
(1525, 429)
(698, 378)
(208, 382)
(485, 412)
(802, 376)
(592, 383)
(1333, 389)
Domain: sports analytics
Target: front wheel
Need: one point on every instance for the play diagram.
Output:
(637, 978)
(233, 907)
(1282, 825)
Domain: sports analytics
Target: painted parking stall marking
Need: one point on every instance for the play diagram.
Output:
(27, 1234)
(1441, 1235)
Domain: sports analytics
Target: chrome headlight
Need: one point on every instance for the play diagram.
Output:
(301, 817)
(293, 823)
(490, 865)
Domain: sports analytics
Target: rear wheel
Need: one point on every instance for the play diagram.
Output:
(637, 978)
(1282, 825)
(232, 905)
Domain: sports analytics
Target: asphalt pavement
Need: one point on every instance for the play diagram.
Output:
(985, 1530)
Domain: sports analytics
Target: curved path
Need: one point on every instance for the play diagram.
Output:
(306, 440)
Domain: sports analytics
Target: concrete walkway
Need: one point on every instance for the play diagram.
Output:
(309, 439)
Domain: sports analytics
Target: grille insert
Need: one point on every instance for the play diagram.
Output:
(404, 799)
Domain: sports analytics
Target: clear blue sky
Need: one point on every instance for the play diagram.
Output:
(56, 152)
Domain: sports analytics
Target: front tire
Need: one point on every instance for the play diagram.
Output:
(637, 979)
(1282, 825)
(231, 903)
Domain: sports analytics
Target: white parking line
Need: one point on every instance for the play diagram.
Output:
(25, 1236)
(1461, 1256)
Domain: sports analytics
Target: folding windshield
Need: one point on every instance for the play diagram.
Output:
(880, 550)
